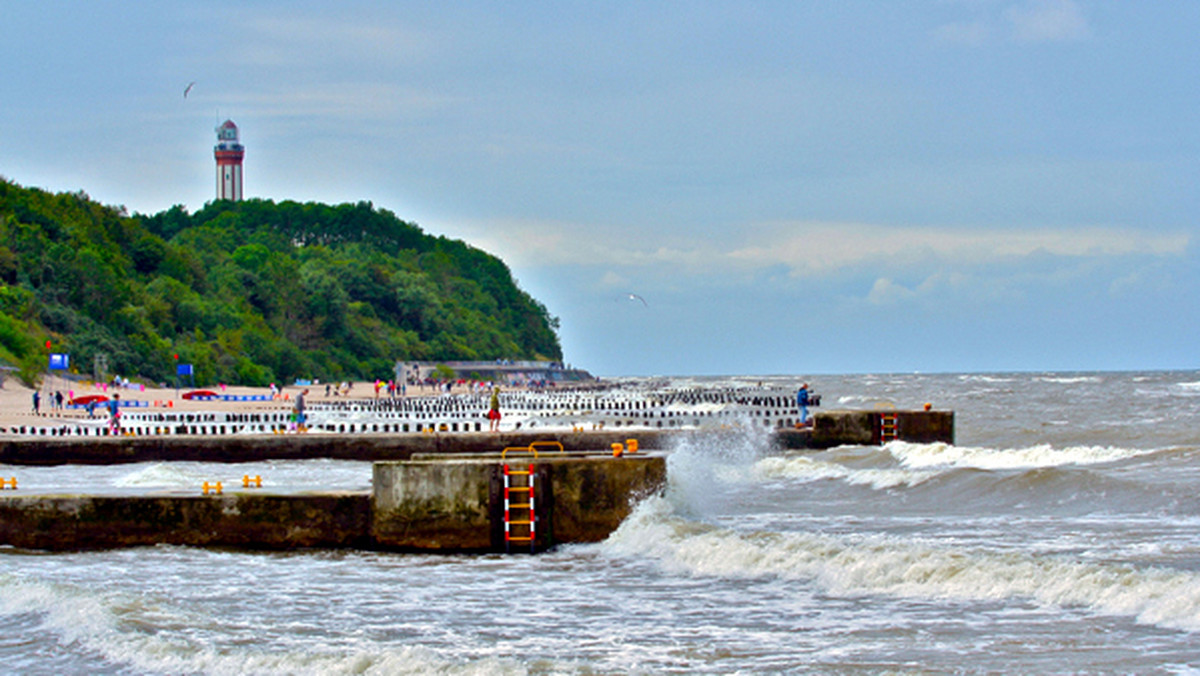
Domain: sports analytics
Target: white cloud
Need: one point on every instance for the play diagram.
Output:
(807, 249)
(613, 280)
(970, 34)
(1029, 21)
(288, 40)
(818, 248)
(345, 102)
(886, 292)
(1048, 21)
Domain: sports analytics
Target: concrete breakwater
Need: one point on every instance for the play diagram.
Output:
(424, 505)
(832, 428)
(430, 492)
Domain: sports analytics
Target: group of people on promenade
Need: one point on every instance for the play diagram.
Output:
(804, 399)
(56, 401)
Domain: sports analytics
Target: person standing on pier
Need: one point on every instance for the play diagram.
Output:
(802, 403)
(114, 413)
(494, 410)
(37, 402)
(301, 419)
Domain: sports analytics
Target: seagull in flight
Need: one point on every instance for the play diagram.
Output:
(188, 89)
(634, 296)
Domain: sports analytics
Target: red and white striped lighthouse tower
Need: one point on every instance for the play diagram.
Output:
(229, 154)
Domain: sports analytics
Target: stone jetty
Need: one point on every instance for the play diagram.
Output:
(444, 488)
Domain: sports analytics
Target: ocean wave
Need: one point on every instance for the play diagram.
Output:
(806, 469)
(856, 565)
(870, 400)
(1042, 455)
(980, 378)
(1187, 389)
(164, 475)
(114, 627)
(1069, 380)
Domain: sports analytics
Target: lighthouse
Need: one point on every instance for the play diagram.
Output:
(229, 154)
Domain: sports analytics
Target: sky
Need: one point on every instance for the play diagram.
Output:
(791, 187)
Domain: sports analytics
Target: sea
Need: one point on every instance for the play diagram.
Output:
(1060, 533)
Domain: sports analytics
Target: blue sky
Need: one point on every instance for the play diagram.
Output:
(793, 187)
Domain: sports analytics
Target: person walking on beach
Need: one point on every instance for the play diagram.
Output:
(802, 403)
(58, 400)
(37, 402)
(114, 414)
(493, 413)
(301, 419)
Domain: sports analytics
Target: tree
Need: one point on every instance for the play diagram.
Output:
(254, 290)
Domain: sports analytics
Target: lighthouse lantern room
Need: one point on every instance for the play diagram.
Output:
(229, 154)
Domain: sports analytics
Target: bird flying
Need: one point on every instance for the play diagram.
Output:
(188, 89)
(634, 296)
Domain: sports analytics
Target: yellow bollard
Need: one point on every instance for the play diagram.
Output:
(618, 450)
(632, 445)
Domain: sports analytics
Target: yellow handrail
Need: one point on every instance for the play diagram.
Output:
(522, 449)
(549, 443)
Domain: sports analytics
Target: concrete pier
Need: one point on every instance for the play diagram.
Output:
(236, 520)
(427, 505)
(438, 504)
(831, 428)
(878, 426)
(431, 492)
(260, 447)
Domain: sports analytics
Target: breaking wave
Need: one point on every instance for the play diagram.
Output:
(805, 468)
(120, 630)
(164, 475)
(1042, 455)
(873, 564)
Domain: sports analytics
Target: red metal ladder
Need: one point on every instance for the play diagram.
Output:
(520, 496)
(520, 513)
(889, 427)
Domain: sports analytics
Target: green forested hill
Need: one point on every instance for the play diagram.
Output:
(250, 292)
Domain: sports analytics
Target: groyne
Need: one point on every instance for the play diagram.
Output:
(209, 444)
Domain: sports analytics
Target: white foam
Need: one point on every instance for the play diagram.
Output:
(873, 564)
(698, 468)
(108, 624)
(847, 399)
(806, 469)
(980, 378)
(1069, 380)
(1032, 457)
(163, 475)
